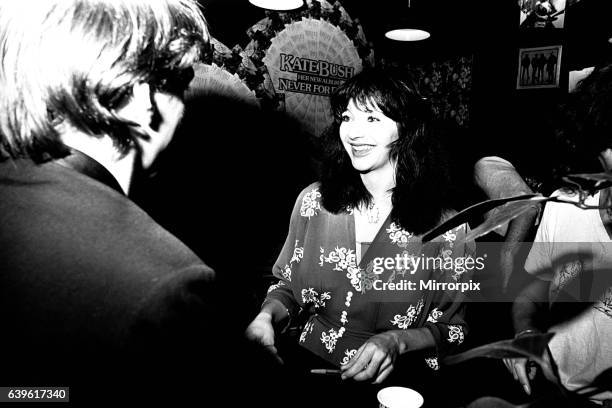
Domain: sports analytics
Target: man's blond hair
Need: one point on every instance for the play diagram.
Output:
(73, 62)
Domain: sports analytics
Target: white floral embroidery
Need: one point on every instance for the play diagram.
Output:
(455, 334)
(309, 295)
(446, 254)
(410, 266)
(404, 322)
(434, 315)
(343, 318)
(344, 260)
(312, 296)
(298, 253)
(450, 236)
(368, 277)
(324, 296)
(287, 272)
(354, 275)
(432, 362)
(276, 286)
(398, 235)
(448, 264)
(348, 354)
(310, 203)
(349, 296)
(306, 331)
(330, 339)
(457, 275)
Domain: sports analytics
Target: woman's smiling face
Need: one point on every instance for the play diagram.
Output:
(367, 135)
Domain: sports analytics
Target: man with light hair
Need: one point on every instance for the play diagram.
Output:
(571, 260)
(94, 294)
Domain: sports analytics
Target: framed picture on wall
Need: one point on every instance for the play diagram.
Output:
(539, 67)
(542, 13)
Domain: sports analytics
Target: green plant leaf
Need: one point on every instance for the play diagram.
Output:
(530, 346)
(469, 213)
(592, 176)
(505, 214)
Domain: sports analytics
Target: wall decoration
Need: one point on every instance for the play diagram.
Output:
(542, 13)
(539, 67)
(307, 54)
(228, 73)
(447, 84)
(212, 80)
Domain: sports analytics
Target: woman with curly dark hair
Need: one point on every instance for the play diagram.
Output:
(353, 259)
(410, 163)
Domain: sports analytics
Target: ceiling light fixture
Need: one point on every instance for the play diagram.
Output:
(281, 5)
(407, 34)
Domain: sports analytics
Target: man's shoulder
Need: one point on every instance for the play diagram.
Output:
(567, 202)
(565, 222)
(75, 231)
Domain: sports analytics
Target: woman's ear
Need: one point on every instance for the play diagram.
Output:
(138, 109)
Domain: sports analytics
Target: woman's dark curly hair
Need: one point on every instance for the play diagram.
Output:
(421, 175)
(588, 112)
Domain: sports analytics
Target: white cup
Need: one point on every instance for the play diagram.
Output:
(399, 397)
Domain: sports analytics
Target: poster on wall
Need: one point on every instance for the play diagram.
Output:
(539, 67)
(224, 73)
(542, 13)
(307, 55)
(214, 81)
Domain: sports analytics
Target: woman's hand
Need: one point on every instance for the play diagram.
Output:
(522, 371)
(374, 359)
(261, 331)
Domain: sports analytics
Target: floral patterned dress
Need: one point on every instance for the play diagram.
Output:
(318, 272)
